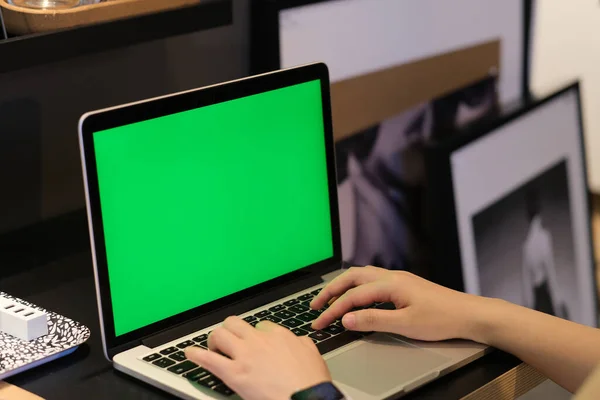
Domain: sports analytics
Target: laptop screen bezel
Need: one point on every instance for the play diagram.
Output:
(180, 102)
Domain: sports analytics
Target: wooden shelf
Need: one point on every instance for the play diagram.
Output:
(22, 21)
(44, 48)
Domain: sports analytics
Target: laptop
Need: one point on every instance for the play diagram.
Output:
(222, 201)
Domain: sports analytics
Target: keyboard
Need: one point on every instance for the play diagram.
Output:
(294, 314)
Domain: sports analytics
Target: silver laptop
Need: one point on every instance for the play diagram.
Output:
(222, 201)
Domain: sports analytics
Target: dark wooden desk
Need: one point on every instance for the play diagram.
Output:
(67, 287)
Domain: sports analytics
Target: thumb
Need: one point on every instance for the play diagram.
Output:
(374, 320)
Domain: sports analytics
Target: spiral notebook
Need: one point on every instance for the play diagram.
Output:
(64, 336)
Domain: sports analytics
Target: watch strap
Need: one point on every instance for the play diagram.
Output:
(322, 391)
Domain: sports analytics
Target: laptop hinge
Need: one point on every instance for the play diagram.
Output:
(238, 308)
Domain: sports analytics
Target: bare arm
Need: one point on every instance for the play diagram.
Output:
(564, 351)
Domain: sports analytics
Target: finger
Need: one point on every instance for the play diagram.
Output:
(268, 326)
(391, 321)
(222, 340)
(213, 362)
(355, 276)
(357, 297)
(238, 327)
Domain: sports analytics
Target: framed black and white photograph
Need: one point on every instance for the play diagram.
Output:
(524, 245)
(521, 210)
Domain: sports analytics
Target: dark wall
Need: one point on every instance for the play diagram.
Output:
(217, 55)
(40, 170)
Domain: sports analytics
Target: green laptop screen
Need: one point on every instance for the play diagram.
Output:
(204, 203)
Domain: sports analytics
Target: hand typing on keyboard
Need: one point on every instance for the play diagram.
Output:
(269, 362)
(423, 310)
(272, 362)
(280, 357)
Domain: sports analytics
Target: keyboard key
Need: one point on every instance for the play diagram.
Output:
(315, 292)
(204, 344)
(305, 297)
(210, 381)
(185, 344)
(333, 330)
(277, 308)
(290, 303)
(298, 308)
(179, 356)
(182, 368)
(338, 341)
(315, 341)
(292, 323)
(200, 338)
(285, 314)
(151, 357)
(223, 389)
(306, 304)
(168, 350)
(196, 374)
(163, 362)
(299, 332)
(254, 323)
(272, 319)
(250, 318)
(320, 335)
(386, 306)
(306, 317)
(317, 313)
(262, 314)
(307, 328)
(338, 323)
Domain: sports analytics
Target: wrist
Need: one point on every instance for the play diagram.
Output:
(485, 318)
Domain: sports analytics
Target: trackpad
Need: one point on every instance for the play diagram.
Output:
(383, 363)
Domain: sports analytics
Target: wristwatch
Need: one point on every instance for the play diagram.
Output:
(322, 391)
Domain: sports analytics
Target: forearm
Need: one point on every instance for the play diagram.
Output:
(564, 351)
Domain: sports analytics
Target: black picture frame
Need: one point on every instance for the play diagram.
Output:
(527, 46)
(264, 32)
(441, 205)
(154, 108)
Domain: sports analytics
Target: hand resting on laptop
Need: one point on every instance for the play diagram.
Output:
(270, 362)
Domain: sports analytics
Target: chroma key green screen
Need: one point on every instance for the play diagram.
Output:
(204, 203)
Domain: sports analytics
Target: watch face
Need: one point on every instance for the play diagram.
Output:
(322, 391)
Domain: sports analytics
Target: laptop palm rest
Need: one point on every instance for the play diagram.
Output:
(382, 363)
